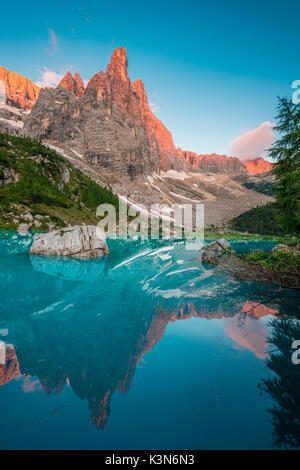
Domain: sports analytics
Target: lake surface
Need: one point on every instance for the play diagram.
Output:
(146, 349)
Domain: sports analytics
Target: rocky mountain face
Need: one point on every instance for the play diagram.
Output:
(96, 132)
(215, 163)
(108, 130)
(159, 137)
(92, 126)
(120, 100)
(115, 88)
(115, 91)
(258, 166)
(212, 163)
(73, 84)
(11, 119)
(103, 126)
(20, 91)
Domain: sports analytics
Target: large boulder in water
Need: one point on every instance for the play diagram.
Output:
(219, 245)
(209, 257)
(77, 242)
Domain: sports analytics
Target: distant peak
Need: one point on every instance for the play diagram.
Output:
(73, 84)
(258, 166)
(67, 75)
(118, 62)
(18, 90)
(119, 54)
(140, 82)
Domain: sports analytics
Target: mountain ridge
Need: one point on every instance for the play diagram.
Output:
(258, 166)
(111, 129)
(74, 84)
(115, 88)
(20, 91)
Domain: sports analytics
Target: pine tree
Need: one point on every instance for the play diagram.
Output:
(286, 154)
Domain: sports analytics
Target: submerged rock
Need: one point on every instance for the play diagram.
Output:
(77, 242)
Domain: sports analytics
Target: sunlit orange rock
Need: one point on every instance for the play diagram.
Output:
(257, 310)
(123, 95)
(100, 83)
(157, 133)
(115, 87)
(21, 92)
(212, 163)
(258, 166)
(73, 84)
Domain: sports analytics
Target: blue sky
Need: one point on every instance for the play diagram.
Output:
(212, 70)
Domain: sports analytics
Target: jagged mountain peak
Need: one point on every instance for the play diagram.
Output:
(258, 166)
(212, 163)
(119, 55)
(117, 67)
(20, 91)
(149, 144)
(73, 84)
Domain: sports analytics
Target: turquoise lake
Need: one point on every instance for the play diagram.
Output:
(145, 349)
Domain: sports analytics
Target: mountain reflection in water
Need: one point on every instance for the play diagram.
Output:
(88, 324)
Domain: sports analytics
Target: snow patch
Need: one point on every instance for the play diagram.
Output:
(78, 154)
(183, 197)
(18, 124)
(178, 175)
(11, 109)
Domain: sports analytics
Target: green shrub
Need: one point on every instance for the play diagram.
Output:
(38, 184)
(283, 261)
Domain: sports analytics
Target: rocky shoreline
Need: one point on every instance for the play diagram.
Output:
(280, 267)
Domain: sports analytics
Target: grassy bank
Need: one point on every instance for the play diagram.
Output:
(286, 239)
(240, 236)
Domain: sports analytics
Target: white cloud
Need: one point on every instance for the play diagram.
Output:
(31, 385)
(154, 107)
(253, 143)
(53, 42)
(49, 78)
